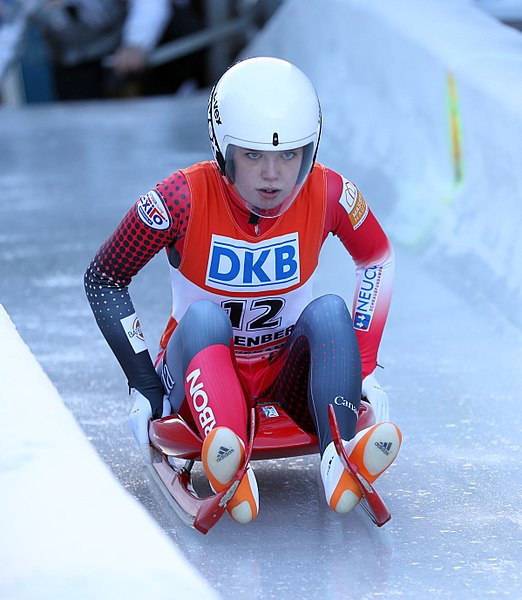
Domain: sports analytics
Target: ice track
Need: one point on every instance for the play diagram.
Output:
(452, 369)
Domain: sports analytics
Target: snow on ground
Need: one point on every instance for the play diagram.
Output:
(429, 125)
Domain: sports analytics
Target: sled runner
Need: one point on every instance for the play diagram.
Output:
(273, 434)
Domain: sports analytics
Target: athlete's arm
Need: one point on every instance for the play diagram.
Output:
(349, 218)
(154, 222)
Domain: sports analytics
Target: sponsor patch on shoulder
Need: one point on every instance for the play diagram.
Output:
(152, 211)
(354, 204)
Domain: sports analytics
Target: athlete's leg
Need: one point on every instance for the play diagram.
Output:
(321, 366)
(198, 368)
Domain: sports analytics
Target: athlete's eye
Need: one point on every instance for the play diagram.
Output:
(289, 154)
(253, 155)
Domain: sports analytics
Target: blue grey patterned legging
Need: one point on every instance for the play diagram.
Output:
(321, 364)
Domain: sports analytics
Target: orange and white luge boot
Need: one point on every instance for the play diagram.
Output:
(222, 454)
(373, 450)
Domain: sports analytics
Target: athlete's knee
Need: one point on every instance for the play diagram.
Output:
(332, 302)
(210, 320)
(329, 308)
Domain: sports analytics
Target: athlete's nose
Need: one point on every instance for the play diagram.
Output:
(270, 170)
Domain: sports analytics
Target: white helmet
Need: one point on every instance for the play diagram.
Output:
(267, 105)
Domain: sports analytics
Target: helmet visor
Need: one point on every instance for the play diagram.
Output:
(267, 181)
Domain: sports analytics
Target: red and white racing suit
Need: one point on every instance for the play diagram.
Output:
(260, 273)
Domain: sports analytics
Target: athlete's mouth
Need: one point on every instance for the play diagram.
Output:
(268, 193)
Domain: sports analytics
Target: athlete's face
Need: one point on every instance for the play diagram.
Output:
(266, 178)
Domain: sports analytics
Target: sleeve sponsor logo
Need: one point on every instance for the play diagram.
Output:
(354, 204)
(152, 211)
(362, 321)
(131, 326)
(244, 266)
(366, 298)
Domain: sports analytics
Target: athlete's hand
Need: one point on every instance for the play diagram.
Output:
(139, 418)
(377, 397)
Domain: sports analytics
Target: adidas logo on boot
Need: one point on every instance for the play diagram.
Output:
(222, 455)
(373, 450)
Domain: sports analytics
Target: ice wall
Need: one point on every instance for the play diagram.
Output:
(68, 529)
(423, 98)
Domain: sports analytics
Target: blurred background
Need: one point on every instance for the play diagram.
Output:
(55, 50)
(60, 50)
